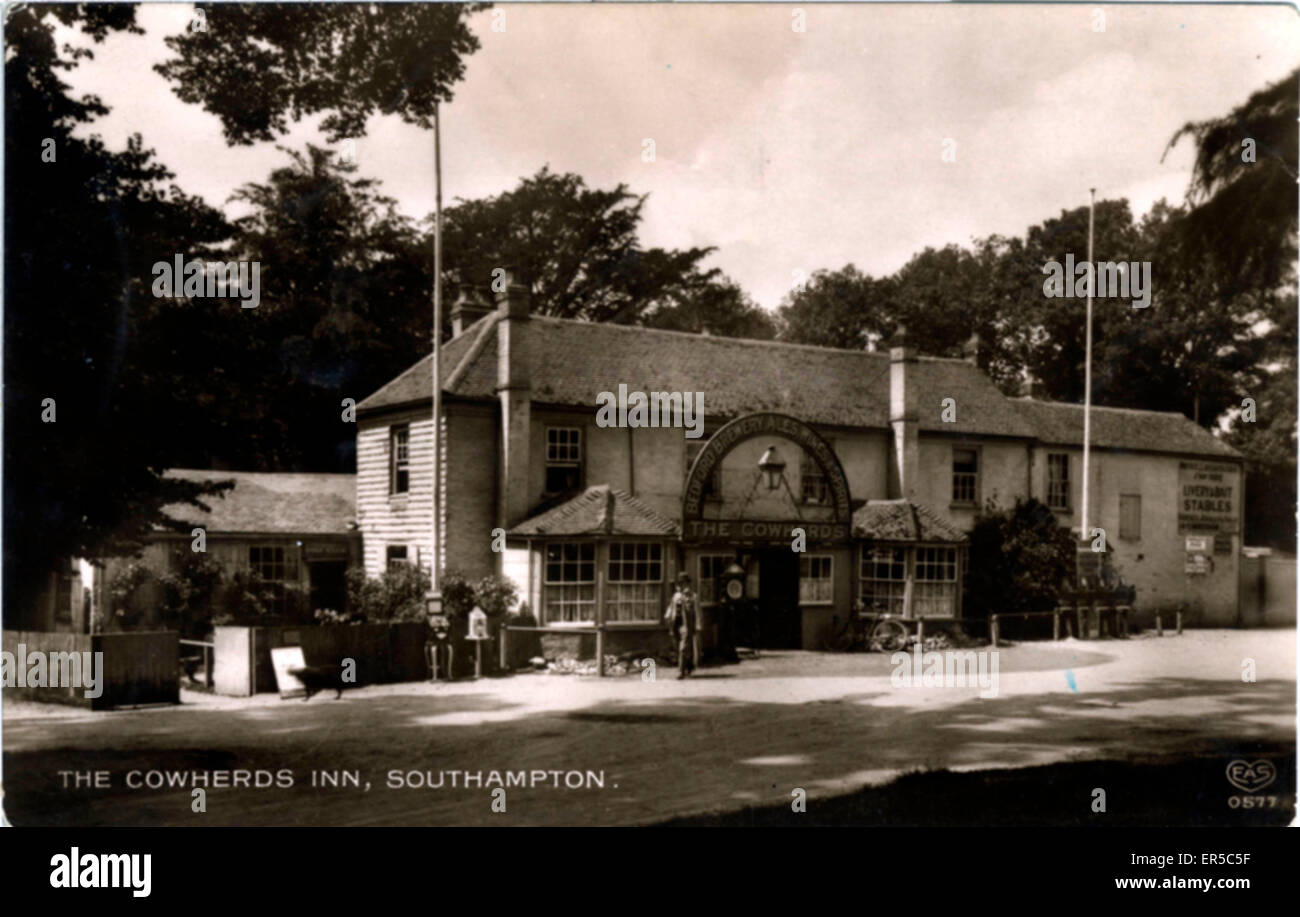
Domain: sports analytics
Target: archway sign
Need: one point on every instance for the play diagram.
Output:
(695, 528)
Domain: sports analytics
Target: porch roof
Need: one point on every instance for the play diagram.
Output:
(599, 510)
(903, 520)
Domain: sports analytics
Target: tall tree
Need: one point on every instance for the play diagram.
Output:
(1241, 229)
(87, 398)
(259, 66)
(836, 309)
(576, 247)
(344, 309)
(1242, 190)
(710, 303)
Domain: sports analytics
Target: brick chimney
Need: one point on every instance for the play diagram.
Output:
(514, 373)
(469, 307)
(904, 414)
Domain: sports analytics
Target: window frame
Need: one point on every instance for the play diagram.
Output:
(1065, 484)
(812, 473)
(702, 579)
(564, 463)
(977, 453)
(290, 570)
(829, 578)
(396, 467)
(897, 592)
(390, 561)
(579, 603)
(653, 589)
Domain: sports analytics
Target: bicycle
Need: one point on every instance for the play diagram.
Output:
(878, 631)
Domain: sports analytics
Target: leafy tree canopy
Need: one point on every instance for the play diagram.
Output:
(259, 66)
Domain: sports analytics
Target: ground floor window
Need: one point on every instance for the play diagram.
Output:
(396, 556)
(884, 579)
(570, 582)
(711, 567)
(634, 588)
(277, 568)
(935, 592)
(931, 570)
(816, 582)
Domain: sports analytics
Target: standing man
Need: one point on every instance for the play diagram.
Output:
(683, 618)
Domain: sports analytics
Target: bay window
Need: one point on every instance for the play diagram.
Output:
(570, 582)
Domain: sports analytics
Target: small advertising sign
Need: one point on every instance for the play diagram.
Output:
(1209, 495)
(478, 629)
(1197, 544)
(284, 658)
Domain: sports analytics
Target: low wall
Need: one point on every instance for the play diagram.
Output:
(652, 640)
(138, 667)
(383, 653)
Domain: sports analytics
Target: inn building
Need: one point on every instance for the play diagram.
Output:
(880, 459)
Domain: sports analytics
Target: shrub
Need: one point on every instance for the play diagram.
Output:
(495, 595)
(189, 593)
(458, 595)
(249, 600)
(122, 589)
(398, 595)
(1019, 560)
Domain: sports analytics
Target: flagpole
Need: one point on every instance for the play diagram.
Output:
(437, 338)
(1087, 370)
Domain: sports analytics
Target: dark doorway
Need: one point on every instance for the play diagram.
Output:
(328, 586)
(778, 599)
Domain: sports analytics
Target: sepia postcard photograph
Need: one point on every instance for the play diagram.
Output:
(870, 415)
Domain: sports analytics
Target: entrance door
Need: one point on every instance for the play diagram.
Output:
(328, 586)
(778, 599)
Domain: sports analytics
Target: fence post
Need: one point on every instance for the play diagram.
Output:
(1160, 631)
(920, 632)
(1178, 621)
(1056, 624)
(503, 631)
(993, 630)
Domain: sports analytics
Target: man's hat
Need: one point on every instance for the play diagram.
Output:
(683, 579)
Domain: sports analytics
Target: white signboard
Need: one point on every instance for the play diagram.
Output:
(1209, 495)
(284, 658)
(1197, 544)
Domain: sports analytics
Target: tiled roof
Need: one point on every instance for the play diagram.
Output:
(272, 502)
(901, 520)
(574, 361)
(599, 510)
(1059, 423)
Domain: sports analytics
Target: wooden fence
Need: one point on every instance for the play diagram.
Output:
(383, 653)
(138, 667)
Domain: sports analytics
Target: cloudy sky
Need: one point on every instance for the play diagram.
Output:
(788, 151)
